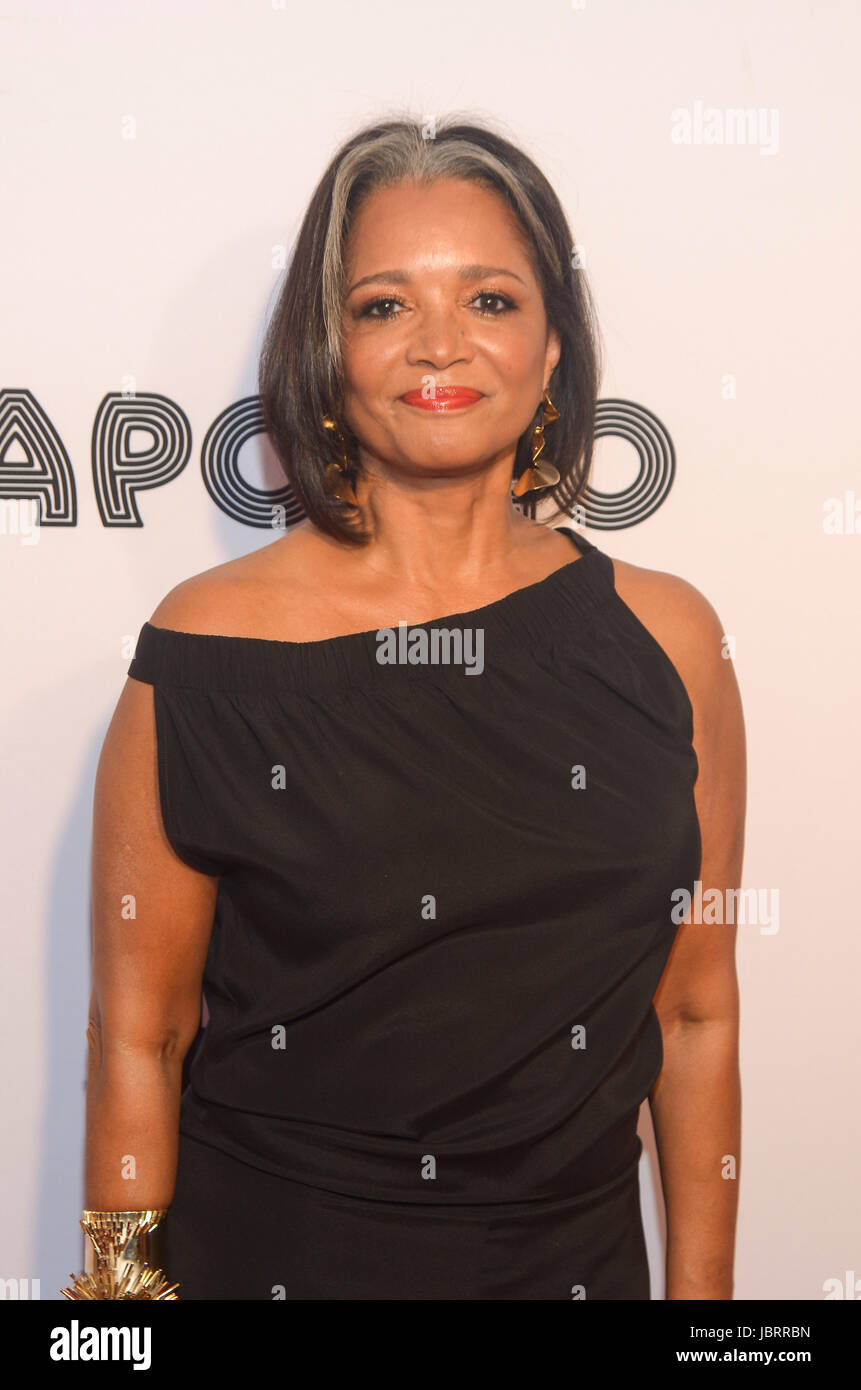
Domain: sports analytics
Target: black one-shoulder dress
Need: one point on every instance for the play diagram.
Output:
(449, 857)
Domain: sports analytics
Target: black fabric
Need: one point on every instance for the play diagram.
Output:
(415, 909)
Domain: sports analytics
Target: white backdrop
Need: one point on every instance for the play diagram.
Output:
(155, 158)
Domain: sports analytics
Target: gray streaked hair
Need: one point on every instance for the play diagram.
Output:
(403, 154)
(301, 366)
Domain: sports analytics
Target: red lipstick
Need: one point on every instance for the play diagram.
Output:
(445, 398)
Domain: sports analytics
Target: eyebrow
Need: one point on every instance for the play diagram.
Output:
(465, 272)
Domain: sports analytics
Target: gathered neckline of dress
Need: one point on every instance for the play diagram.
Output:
(171, 656)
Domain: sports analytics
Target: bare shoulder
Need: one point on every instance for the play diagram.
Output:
(682, 621)
(206, 602)
(233, 597)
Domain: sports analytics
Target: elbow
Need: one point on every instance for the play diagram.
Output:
(165, 1047)
(94, 1041)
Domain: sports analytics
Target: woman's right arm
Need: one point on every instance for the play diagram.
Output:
(152, 920)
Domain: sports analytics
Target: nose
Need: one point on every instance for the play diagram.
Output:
(438, 340)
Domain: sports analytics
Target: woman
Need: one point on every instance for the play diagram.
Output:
(410, 794)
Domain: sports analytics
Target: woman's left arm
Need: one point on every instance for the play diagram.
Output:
(696, 1100)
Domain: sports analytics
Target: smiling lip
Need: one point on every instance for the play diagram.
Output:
(446, 398)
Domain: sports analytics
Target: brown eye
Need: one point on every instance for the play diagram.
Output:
(500, 299)
(366, 312)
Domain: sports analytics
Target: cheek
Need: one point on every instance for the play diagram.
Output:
(368, 367)
(517, 355)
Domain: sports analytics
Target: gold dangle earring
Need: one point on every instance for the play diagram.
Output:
(337, 483)
(539, 475)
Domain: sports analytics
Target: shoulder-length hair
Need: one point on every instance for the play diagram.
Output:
(300, 377)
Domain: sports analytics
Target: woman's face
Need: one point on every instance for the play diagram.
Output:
(441, 293)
